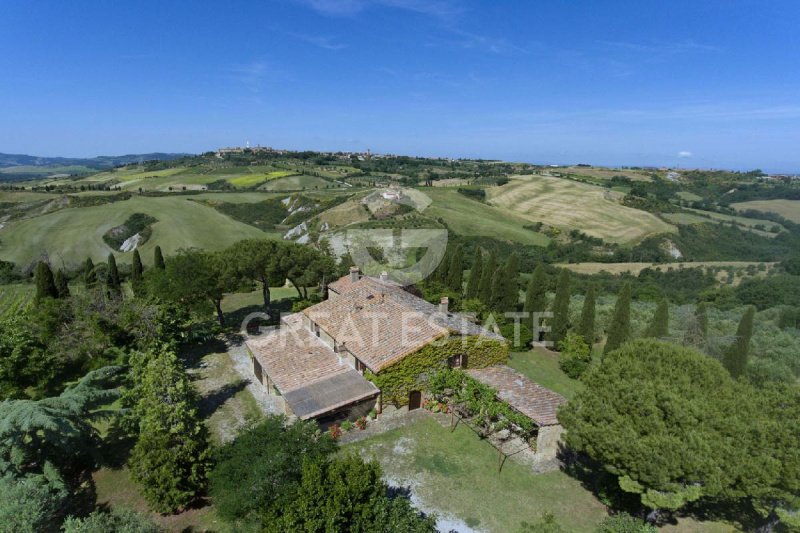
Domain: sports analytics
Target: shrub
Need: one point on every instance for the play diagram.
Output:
(624, 523)
(347, 425)
(576, 356)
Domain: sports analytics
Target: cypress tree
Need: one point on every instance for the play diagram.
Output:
(586, 326)
(536, 294)
(485, 293)
(737, 355)
(619, 332)
(455, 274)
(511, 284)
(62, 286)
(112, 276)
(45, 283)
(560, 320)
(89, 275)
(474, 282)
(659, 327)
(158, 259)
(137, 269)
(497, 290)
(701, 314)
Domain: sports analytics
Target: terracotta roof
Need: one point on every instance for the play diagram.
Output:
(529, 398)
(302, 367)
(374, 328)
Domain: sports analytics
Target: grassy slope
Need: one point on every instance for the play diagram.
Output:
(786, 208)
(572, 205)
(293, 183)
(541, 366)
(456, 474)
(470, 217)
(73, 234)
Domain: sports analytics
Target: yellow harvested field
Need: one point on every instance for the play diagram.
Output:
(636, 268)
(571, 205)
(789, 209)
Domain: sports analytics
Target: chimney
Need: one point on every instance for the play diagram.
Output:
(384, 276)
(355, 273)
(443, 304)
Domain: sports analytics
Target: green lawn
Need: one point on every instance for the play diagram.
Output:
(471, 217)
(455, 473)
(296, 182)
(541, 366)
(70, 235)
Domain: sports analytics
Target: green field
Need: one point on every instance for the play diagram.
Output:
(455, 474)
(70, 235)
(697, 216)
(254, 179)
(571, 205)
(789, 209)
(294, 182)
(471, 217)
(14, 298)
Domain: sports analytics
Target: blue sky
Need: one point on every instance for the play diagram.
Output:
(710, 83)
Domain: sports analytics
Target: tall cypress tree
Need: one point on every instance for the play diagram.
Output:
(158, 259)
(738, 353)
(62, 286)
(619, 331)
(89, 275)
(474, 282)
(701, 315)
(112, 275)
(511, 284)
(45, 283)
(455, 274)
(536, 293)
(498, 289)
(137, 269)
(560, 321)
(659, 327)
(586, 326)
(487, 276)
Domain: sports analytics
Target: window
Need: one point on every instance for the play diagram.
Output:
(361, 367)
(456, 361)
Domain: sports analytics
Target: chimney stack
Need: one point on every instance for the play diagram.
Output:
(384, 276)
(355, 273)
(443, 304)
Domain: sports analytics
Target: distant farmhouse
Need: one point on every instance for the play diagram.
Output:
(370, 345)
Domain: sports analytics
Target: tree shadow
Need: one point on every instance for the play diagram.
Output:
(192, 355)
(215, 399)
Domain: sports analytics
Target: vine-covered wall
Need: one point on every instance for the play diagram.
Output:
(396, 381)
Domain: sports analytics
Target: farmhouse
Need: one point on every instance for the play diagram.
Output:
(371, 343)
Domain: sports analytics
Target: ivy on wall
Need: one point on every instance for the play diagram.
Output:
(396, 381)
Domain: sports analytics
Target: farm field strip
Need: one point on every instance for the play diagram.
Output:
(14, 298)
(789, 209)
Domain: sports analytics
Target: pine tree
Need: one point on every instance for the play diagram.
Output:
(659, 327)
(474, 282)
(137, 269)
(485, 293)
(158, 259)
(560, 320)
(62, 286)
(738, 353)
(112, 276)
(171, 457)
(511, 284)
(536, 294)
(619, 332)
(89, 275)
(586, 326)
(45, 283)
(455, 274)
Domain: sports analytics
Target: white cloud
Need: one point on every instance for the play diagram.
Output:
(684, 154)
(345, 8)
(319, 40)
